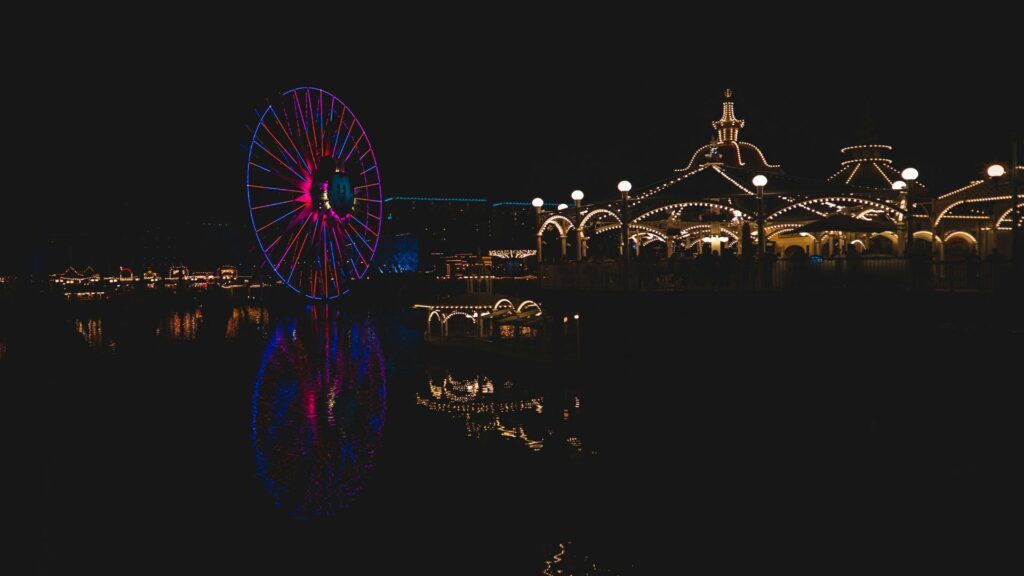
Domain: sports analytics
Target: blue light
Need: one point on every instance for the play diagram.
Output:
(427, 199)
(522, 204)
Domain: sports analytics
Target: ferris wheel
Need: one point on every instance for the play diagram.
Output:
(314, 192)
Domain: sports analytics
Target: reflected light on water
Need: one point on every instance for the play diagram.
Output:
(243, 316)
(506, 411)
(183, 325)
(318, 412)
(569, 558)
(91, 329)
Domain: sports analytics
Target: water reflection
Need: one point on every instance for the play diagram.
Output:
(571, 558)
(181, 326)
(318, 411)
(504, 409)
(246, 316)
(91, 329)
(104, 330)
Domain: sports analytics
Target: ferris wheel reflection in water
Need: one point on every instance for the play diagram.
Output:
(318, 410)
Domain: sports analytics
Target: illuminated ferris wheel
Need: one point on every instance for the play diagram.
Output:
(314, 192)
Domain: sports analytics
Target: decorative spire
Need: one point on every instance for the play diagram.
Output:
(728, 126)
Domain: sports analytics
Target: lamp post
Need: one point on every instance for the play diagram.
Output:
(997, 172)
(901, 187)
(909, 176)
(577, 197)
(759, 182)
(624, 187)
(561, 257)
(538, 205)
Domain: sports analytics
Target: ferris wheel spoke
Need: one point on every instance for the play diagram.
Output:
(279, 161)
(277, 204)
(324, 259)
(320, 117)
(271, 245)
(279, 218)
(355, 146)
(368, 229)
(355, 249)
(337, 133)
(360, 236)
(341, 248)
(348, 135)
(277, 189)
(302, 125)
(311, 126)
(298, 254)
(283, 148)
(292, 241)
(288, 135)
(334, 263)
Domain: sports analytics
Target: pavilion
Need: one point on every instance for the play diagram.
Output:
(712, 204)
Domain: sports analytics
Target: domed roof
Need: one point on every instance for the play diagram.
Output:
(726, 148)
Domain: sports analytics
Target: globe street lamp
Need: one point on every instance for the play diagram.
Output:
(577, 197)
(624, 187)
(538, 204)
(759, 182)
(901, 187)
(909, 176)
(997, 172)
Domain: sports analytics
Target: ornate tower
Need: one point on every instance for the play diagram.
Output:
(728, 126)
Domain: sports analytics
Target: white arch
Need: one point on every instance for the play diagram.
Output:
(961, 234)
(969, 201)
(942, 214)
(497, 305)
(633, 229)
(466, 314)
(527, 303)
(432, 314)
(1006, 215)
(649, 230)
(701, 204)
(553, 220)
(697, 227)
(781, 229)
(925, 235)
(802, 203)
(597, 211)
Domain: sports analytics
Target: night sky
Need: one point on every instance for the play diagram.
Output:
(155, 125)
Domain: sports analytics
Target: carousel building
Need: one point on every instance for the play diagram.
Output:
(713, 204)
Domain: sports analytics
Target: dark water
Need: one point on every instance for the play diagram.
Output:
(257, 441)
